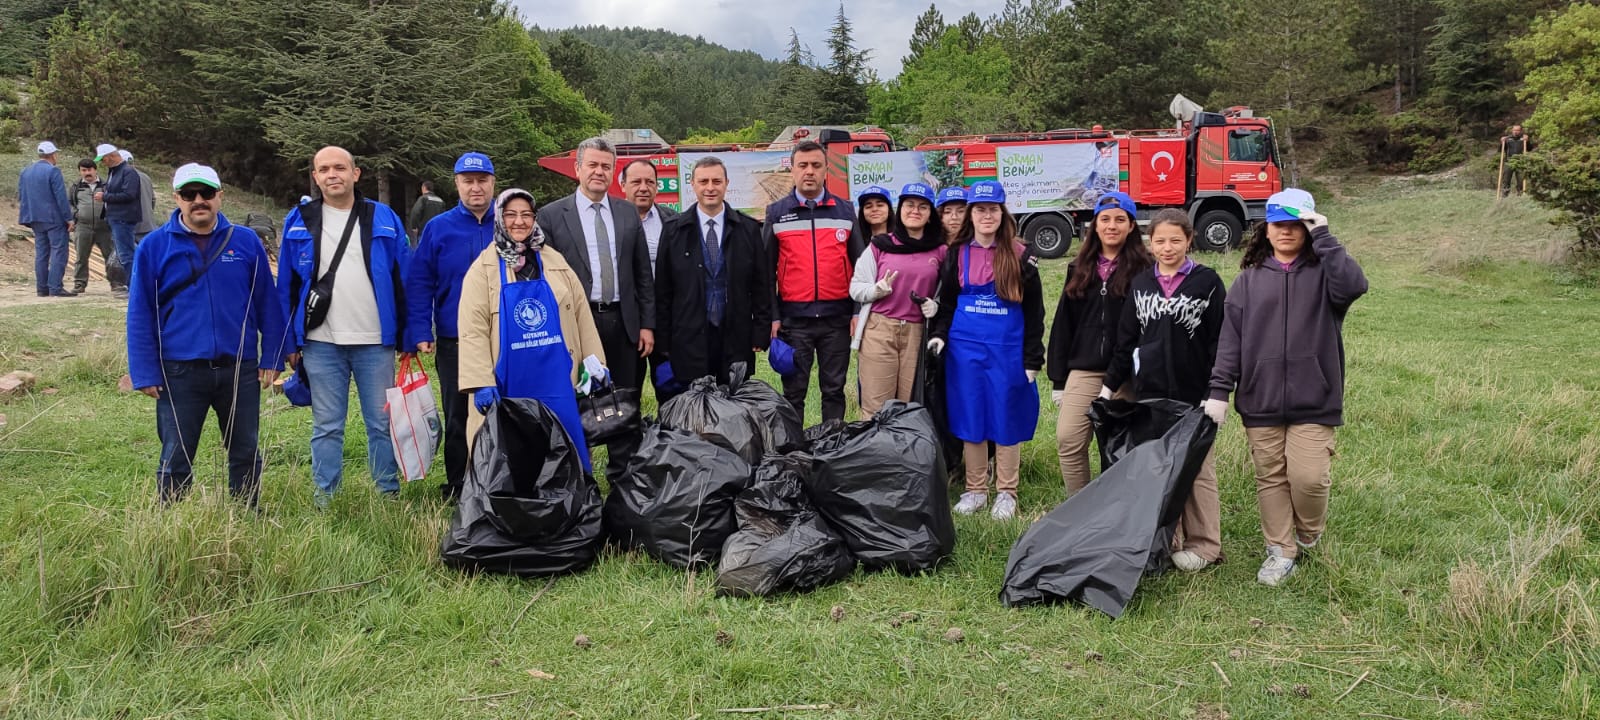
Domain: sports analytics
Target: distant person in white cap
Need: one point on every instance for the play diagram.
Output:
(147, 200)
(205, 334)
(45, 209)
(121, 197)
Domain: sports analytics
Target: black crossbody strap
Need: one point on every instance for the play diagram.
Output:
(194, 276)
(344, 242)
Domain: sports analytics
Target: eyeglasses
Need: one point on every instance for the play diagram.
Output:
(525, 217)
(189, 194)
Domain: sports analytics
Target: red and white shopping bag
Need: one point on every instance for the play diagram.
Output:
(414, 425)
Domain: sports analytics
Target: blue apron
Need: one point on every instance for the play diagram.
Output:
(987, 392)
(533, 354)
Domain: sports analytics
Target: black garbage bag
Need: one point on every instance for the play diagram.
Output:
(928, 389)
(706, 409)
(1095, 547)
(881, 484)
(782, 545)
(527, 508)
(781, 426)
(674, 501)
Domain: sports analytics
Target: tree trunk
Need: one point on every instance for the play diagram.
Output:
(1288, 142)
(383, 186)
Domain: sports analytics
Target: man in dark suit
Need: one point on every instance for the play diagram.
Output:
(640, 186)
(713, 300)
(605, 244)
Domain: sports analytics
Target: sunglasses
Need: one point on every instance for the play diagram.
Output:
(189, 194)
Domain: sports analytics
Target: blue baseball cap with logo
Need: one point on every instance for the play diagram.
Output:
(1290, 205)
(986, 191)
(872, 190)
(781, 357)
(917, 190)
(1116, 201)
(950, 195)
(474, 162)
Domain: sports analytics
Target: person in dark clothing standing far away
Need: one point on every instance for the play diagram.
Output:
(713, 298)
(605, 244)
(427, 207)
(639, 186)
(1282, 353)
(1085, 328)
(812, 246)
(203, 334)
(989, 330)
(43, 206)
(339, 284)
(121, 196)
(92, 232)
(1511, 146)
(449, 245)
(1165, 346)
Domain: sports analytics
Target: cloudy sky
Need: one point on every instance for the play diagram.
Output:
(881, 26)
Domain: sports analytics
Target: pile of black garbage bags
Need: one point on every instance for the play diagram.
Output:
(725, 477)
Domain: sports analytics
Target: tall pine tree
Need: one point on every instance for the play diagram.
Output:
(842, 98)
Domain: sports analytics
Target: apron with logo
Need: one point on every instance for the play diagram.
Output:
(533, 354)
(987, 392)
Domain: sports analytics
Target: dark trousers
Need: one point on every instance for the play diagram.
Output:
(454, 405)
(825, 341)
(622, 359)
(191, 389)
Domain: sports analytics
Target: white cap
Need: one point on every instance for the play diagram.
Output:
(195, 173)
(47, 148)
(102, 150)
(125, 155)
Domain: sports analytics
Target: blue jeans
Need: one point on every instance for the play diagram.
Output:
(49, 257)
(122, 238)
(330, 368)
(189, 391)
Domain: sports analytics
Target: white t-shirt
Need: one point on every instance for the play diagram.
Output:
(353, 317)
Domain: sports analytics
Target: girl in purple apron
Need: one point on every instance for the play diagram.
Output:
(990, 331)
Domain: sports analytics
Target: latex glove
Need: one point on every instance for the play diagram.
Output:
(1105, 393)
(936, 346)
(1314, 221)
(1217, 410)
(1033, 375)
(485, 398)
(1055, 397)
(930, 308)
(886, 285)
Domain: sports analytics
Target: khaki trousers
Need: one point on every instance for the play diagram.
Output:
(1007, 467)
(887, 363)
(1202, 516)
(1073, 429)
(1293, 466)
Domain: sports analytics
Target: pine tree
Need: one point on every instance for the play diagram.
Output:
(930, 26)
(842, 98)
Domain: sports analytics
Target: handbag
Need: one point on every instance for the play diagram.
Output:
(319, 299)
(414, 427)
(609, 415)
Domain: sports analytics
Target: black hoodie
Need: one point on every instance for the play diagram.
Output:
(1175, 338)
(1084, 333)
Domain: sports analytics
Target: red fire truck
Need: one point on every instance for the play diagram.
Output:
(1219, 167)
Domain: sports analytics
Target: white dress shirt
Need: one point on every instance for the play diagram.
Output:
(586, 218)
(652, 233)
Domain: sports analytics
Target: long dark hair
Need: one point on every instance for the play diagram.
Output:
(866, 227)
(1259, 248)
(933, 231)
(1007, 261)
(1132, 259)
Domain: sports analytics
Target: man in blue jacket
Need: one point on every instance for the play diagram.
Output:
(45, 209)
(203, 334)
(121, 197)
(450, 242)
(339, 285)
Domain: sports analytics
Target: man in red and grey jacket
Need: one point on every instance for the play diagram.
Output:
(812, 240)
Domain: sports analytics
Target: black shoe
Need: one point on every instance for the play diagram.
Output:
(43, 293)
(80, 290)
(63, 293)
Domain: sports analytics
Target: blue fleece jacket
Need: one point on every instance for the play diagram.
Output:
(450, 242)
(383, 242)
(228, 312)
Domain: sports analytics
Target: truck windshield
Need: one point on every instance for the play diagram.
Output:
(1248, 145)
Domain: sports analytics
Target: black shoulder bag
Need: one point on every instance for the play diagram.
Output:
(319, 299)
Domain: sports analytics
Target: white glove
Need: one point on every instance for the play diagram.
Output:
(1217, 410)
(936, 346)
(1033, 375)
(1055, 397)
(886, 285)
(1314, 221)
(1105, 393)
(930, 308)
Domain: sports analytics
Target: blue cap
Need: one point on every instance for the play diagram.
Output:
(296, 389)
(950, 195)
(873, 190)
(986, 191)
(665, 381)
(781, 357)
(1117, 201)
(1290, 205)
(917, 190)
(474, 162)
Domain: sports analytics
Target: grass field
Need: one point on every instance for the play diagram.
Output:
(1458, 578)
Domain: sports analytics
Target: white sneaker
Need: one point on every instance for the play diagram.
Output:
(972, 502)
(1005, 506)
(1275, 568)
(1189, 562)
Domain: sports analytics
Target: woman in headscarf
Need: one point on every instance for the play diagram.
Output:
(525, 322)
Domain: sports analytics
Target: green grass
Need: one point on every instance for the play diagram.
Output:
(1457, 579)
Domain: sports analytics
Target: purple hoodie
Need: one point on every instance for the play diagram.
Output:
(1282, 344)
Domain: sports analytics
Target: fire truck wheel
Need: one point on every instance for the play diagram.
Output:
(1218, 231)
(1050, 236)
